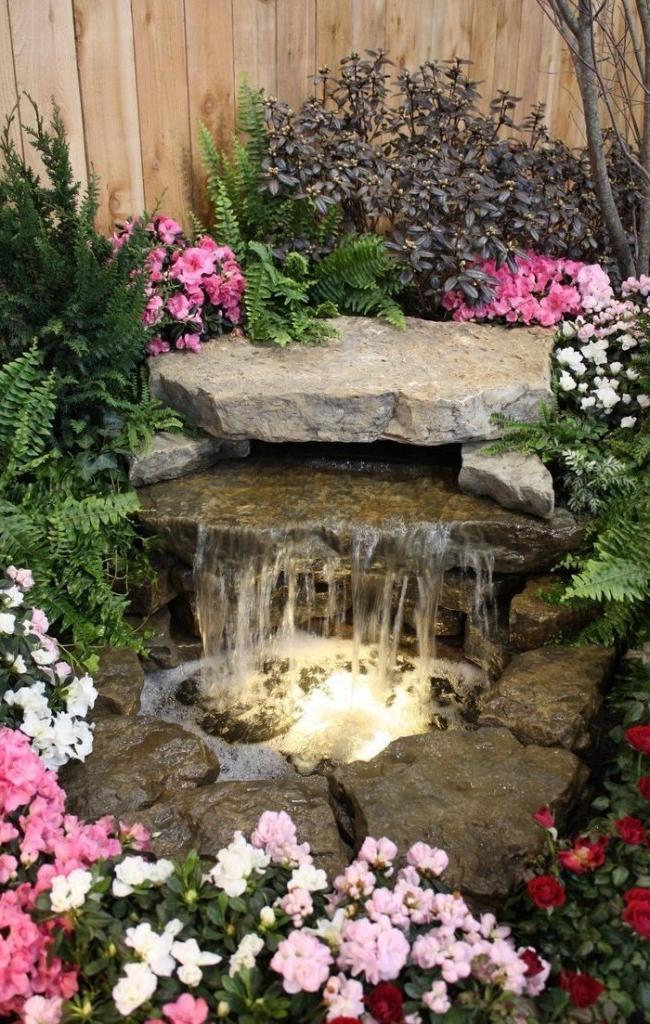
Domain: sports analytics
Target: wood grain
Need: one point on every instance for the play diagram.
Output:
(109, 100)
(139, 74)
(45, 60)
(161, 70)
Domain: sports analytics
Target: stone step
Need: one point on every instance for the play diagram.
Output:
(433, 383)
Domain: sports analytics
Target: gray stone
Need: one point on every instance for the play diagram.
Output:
(206, 818)
(135, 762)
(119, 681)
(174, 455)
(156, 630)
(513, 479)
(431, 384)
(550, 696)
(471, 793)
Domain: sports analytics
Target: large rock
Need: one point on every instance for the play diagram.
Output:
(471, 793)
(513, 479)
(415, 512)
(431, 384)
(173, 455)
(550, 696)
(534, 621)
(136, 762)
(119, 681)
(205, 819)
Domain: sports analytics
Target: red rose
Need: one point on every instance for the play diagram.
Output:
(637, 915)
(583, 990)
(544, 817)
(631, 830)
(585, 855)
(386, 1004)
(639, 895)
(638, 736)
(545, 891)
(643, 785)
(534, 963)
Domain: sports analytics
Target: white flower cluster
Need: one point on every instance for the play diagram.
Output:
(134, 872)
(50, 702)
(595, 358)
(235, 864)
(160, 955)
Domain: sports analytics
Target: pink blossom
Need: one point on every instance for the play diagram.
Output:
(21, 577)
(136, 836)
(428, 860)
(297, 904)
(378, 853)
(373, 948)
(157, 346)
(356, 881)
(167, 229)
(186, 1010)
(303, 962)
(193, 264)
(178, 306)
(152, 310)
(343, 997)
(191, 342)
(39, 622)
(38, 1010)
(276, 835)
(8, 865)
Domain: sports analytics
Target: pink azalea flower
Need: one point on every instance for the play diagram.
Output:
(303, 962)
(193, 264)
(186, 1010)
(178, 306)
(167, 229)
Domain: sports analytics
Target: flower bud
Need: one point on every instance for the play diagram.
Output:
(267, 917)
(223, 1008)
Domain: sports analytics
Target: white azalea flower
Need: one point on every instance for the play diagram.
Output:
(244, 956)
(606, 395)
(643, 400)
(136, 988)
(68, 892)
(81, 695)
(586, 403)
(628, 421)
(192, 959)
(308, 877)
(567, 382)
(235, 864)
(7, 623)
(135, 871)
(13, 597)
(154, 948)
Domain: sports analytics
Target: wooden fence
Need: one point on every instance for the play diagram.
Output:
(133, 77)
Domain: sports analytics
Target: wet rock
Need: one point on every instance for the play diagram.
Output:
(432, 384)
(533, 621)
(465, 592)
(447, 623)
(185, 614)
(161, 647)
(189, 648)
(550, 696)
(156, 592)
(174, 455)
(119, 681)
(486, 644)
(513, 479)
(322, 510)
(206, 818)
(471, 793)
(136, 761)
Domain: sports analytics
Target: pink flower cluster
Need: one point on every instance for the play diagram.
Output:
(193, 291)
(38, 841)
(542, 290)
(383, 923)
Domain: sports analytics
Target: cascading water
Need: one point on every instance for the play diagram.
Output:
(303, 645)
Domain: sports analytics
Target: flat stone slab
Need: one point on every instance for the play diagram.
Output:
(172, 455)
(431, 384)
(471, 793)
(550, 696)
(513, 479)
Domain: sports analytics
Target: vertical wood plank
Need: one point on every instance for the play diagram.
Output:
(333, 32)
(453, 30)
(255, 54)
(409, 32)
(45, 60)
(161, 71)
(8, 89)
(506, 46)
(110, 106)
(369, 25)
(483, 45)
(529, 57)
(211, 79)
(295, 49)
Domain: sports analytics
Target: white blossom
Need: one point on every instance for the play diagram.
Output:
(7, 623)
(192, 959)
(628, 421)
(244, 956)
(566, 382)
(308, 877)
(135, 989)
(154, 948)
(68, 892)
(235, 864)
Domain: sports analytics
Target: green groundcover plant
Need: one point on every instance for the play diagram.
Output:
(300, 267)
(74, 400)
(587, 909)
